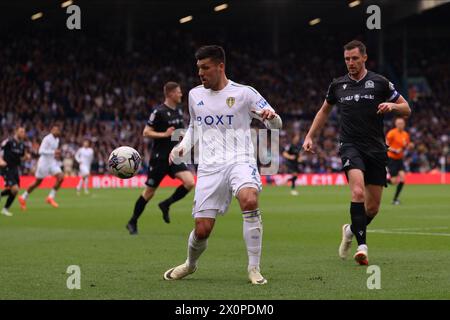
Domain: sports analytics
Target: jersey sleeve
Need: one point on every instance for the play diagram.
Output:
(78, 155)
(331, 95)
(153, 119)
(389, 137)
(5, 144)
(188, 140)
(256, 102)
(390, 93)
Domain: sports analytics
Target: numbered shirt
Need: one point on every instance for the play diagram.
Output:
(221, 121)
(358, 105)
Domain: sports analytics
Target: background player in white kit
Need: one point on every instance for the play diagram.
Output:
(84, 156)
(217, 107)
(47, 166)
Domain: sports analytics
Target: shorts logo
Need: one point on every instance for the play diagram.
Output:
(230, 101)
(369, 84)
(347, 163)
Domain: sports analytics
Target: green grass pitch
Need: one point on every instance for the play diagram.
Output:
(410, 243)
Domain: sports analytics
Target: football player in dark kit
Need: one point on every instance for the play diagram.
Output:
(362, 97)
(13, 153)
(163, 121)
(292, 153)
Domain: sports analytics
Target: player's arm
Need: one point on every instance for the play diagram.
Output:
(260, 109)
(395, 101)
(288, 156)
(4, 146)
(189, 138)
(318, 123)
(150, 132)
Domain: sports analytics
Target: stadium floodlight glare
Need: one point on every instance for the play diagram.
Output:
(186, 19)
(220, 7)
(37, 16)
(354, 3)
(66, 3)
(314, 22)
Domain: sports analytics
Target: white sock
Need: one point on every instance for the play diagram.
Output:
(86, 181)
(348, 232)
(195, 249)
(80, 184)
(253, 230)
(25, 195)
(52, 193)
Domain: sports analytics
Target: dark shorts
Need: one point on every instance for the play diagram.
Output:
(292, 167)
(394, 166)
(11, 176)
(372, 164)
(159, 168)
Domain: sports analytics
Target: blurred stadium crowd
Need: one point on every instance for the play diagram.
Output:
(99, 91)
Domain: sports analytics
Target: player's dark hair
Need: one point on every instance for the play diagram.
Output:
(169, 87)
(356, 44)
(214, 52)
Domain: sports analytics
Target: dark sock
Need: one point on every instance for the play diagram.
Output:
(10, 200)
(359, 218)
(399, 189)
(6, 192)
(369, 220)
(179, 193)
(138, 209)
(293, 179)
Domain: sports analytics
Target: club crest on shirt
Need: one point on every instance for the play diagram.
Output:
(344, 86)
(230, 101)
(357, 97)
(369, 84)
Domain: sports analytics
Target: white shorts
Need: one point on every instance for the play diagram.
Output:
(84, 170)
(213, 191)
(47, 167)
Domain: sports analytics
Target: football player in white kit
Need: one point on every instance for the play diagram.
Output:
(84, 156)
(227, 165)
(47, 166)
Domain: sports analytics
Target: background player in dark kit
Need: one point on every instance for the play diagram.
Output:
(361, 97)
(13, 152)
(163, 121)
(292, 153)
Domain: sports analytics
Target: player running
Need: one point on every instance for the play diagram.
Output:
(361, 97)
(292, 155)
(227, 165)
(84, 156)
(163, 121)
(398, 141)
(47, 166)
(13, 150)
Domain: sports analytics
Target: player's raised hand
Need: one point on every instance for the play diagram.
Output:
(385, 107)
(308, 145)
(169, 131)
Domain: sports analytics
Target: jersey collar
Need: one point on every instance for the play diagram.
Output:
(357, 81)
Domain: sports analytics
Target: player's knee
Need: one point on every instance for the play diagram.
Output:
(372, 209)
(148, 193)
(202, 230)
(249, 202)
(189, 183)
(14, 190)
(358, 194)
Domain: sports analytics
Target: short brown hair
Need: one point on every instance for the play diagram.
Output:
(356, 44)
(169, 87)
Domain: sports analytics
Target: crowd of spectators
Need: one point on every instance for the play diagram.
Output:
(99, 91)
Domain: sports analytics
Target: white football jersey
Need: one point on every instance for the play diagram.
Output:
(48, 146)
(221, 121)
(84, 156)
